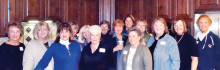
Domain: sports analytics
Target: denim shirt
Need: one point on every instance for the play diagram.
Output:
(166, 54)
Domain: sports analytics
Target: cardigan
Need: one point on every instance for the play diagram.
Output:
(166, 54)
(142, 59)
(64, 59)
(34, 51)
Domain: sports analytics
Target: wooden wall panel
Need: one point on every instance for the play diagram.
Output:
(138, 10)
(34, 9)
(107, 10)
(74, 11)
(204, 5)
(90, 12)
(2, 21)
(53, 10)
(162, 8)
(122, 8)
(183, 9)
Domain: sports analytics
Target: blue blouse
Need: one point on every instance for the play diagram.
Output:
(64, 59)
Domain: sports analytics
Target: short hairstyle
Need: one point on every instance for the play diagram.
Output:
(159, 19)
(105, 22)
(175, 22)
(81, 38)
(136, 30)
(14, 24)
(61, 27)
(75, 24)
(118, 22)
(129, 16)
(95, 29)
(145, 22)
(37, 26)
(204, 16)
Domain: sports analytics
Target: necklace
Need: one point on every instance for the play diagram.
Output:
(179, 39)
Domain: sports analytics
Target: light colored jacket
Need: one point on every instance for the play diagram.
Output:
(142, 59)
(33, 53)
(166, 53)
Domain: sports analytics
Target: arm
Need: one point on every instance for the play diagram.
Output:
(174, 55)
(46, 58)
(147, 59)
(194, 63)
(28, 57)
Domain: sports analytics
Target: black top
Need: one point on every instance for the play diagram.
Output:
(46, 45)
(105, 37)
(187, 48)
(153, 46)
(99, 60)
(11, 56)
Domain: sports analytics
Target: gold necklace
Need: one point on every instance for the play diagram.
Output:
(180, 38)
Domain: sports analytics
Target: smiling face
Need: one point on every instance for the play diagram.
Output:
(179, 27)
(159, 28)
(118, 29)
(203, 25)
(64, 34)
(128, 22)
(141, 26)
(42, 32)
(14, 33)
(86, 33)
(104, 28)
(133, 38)
(95, 38)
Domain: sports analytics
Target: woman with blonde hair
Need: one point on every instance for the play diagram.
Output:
(84, 38)
(36, 48)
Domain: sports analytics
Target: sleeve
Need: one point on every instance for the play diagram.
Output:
(81, 62)
(120, 62)
(46, 58)
(217, 51)
(28, 57)
(194, 48)
(147, 59)
(174, 55)
(150, 41)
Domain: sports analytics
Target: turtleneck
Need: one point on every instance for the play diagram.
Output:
(66, 43)
(202, 35)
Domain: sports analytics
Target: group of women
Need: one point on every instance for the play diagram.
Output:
(129, 46)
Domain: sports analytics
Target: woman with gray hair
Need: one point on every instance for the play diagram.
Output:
(36, 48)
(135, 56)
(95, 55)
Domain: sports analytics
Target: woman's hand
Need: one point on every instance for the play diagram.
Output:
(117, 48)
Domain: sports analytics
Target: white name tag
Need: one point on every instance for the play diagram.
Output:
(21, 48)
(125, 52)
(163, 43)
(102, 50)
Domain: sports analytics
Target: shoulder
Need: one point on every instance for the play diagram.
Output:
(169, 38)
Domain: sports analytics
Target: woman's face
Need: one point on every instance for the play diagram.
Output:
(128, 22)
(65, 34)
(14, 33)
(133, 38)
(104, 28)
(42, 32)
(141, 26)
(86, 33)
(118, 29)
(95, 38)
(159, 28)
(74, 29)
(203, 25)
(178, 27)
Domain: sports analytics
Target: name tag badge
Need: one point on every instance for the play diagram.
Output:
(21, 48)
(125, 52)
(163, 43)
(197, 42)
(102, 50)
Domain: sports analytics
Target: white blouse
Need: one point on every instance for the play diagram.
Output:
(130, 58)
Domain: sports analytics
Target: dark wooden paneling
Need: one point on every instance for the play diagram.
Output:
(162, 8)
(137, 8)
(206, 5)
(90, 12)
(74, 11)
(54, 10)
(122, 8)
(107, 10)
(34, 9)
(2, 23)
